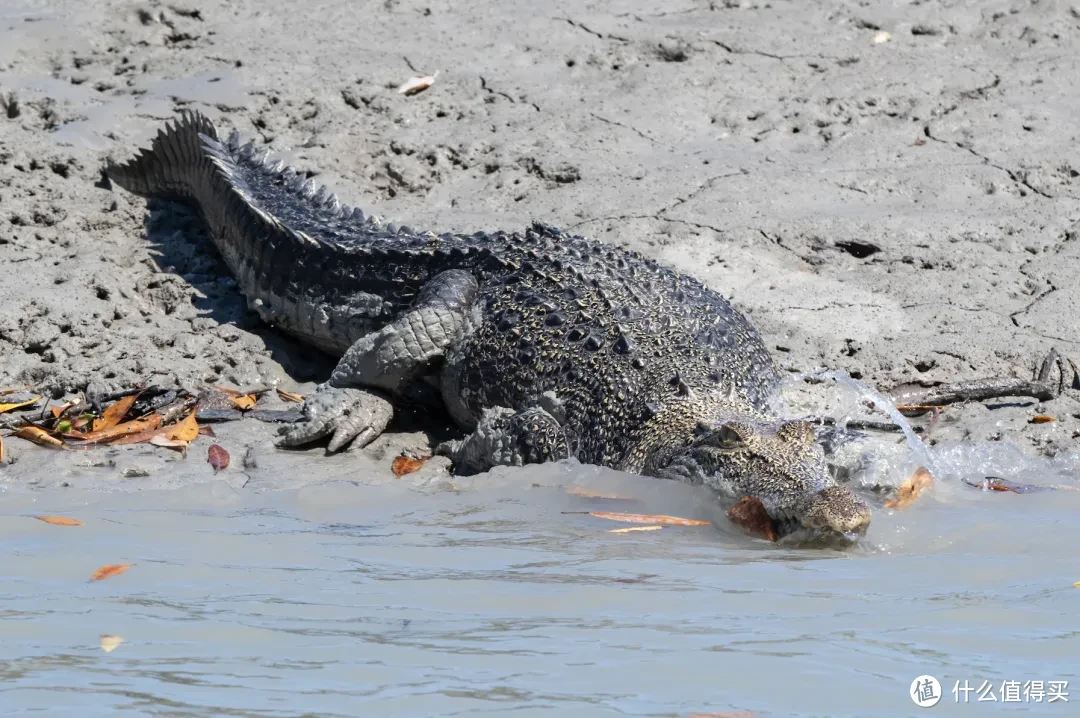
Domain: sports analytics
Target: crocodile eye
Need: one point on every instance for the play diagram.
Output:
(727, 437)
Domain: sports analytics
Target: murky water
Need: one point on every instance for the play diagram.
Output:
(344, 600)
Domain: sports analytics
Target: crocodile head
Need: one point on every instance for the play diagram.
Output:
(783, 466)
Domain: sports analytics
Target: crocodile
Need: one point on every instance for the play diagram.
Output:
(543, 345)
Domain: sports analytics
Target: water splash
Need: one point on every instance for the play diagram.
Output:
(884, 404)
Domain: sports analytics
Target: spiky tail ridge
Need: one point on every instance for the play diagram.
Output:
(175, 165)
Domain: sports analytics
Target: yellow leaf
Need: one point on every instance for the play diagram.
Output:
(59, 520)
(642, 518)
(1076, 585)
(10, 407)
(590, 494)
(290, 396)
(109, 643)
(186, 430)
(628, 529)
(911, 488)
(110, 570)
(243, 403)
(39, 437)
(115, 413)
(162, 440)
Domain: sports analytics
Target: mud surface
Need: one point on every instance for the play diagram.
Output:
(890, 190)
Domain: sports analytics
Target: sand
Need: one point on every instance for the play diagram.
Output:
(891, 189)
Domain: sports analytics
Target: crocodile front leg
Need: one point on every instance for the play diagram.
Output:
(349, 406)
(505, 438)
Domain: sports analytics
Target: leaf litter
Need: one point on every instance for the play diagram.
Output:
(110, 570)
(642, 518)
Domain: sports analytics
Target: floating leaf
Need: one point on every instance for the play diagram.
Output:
(995, 483)
(1076, 585)
(59, 520)
(417, 84)
(115, 413)
(217, 457)
(406, 465)
(590, 494)
(39, 437)
(290, 396)
(1041, 419)
(629, 529)
(642, 518)
(750, 513)
(910, 489)
(18, 405)
(109, 643)
(110, 570)
(186, 430)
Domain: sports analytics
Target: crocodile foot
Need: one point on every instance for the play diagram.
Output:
(506, 438)
(356, 416)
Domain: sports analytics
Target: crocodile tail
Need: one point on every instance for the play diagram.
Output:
(175, 163)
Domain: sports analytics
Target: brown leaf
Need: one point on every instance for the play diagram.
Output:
(207, 431)
(217, 457)
(58, 409)
(39, 437)
(109, 643)
(115, 413)
(186, 430)
(910, 489)
(5, 392)
(18, 405)
(406, 465)
(59, 520)
(996, 483)
(110, 570)
(129, 427)
(1041, 419)
(290, 396)
(642, 518)
(629, 529)
(243, 403)
(750, 513)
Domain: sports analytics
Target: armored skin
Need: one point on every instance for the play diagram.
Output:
(545, 345)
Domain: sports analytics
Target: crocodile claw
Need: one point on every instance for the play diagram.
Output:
(348, 415)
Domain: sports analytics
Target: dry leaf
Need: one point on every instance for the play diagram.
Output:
(162, 440)
(996, 483)
(59, 520)
(146, 423)
(207, 431)
(750, 513)
(642, 518)
(109, 643)
(243, 403)
(217, 457)
(290, 396)
(110, 570)
(5, 392)
(1076, 585)
(115, 413)
(406, 465)
(59, 409)
(186, 430)
(628, 529)
(1041, 419)
(10, 407)
(910, 489)
(417, 84)
(39, 437)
